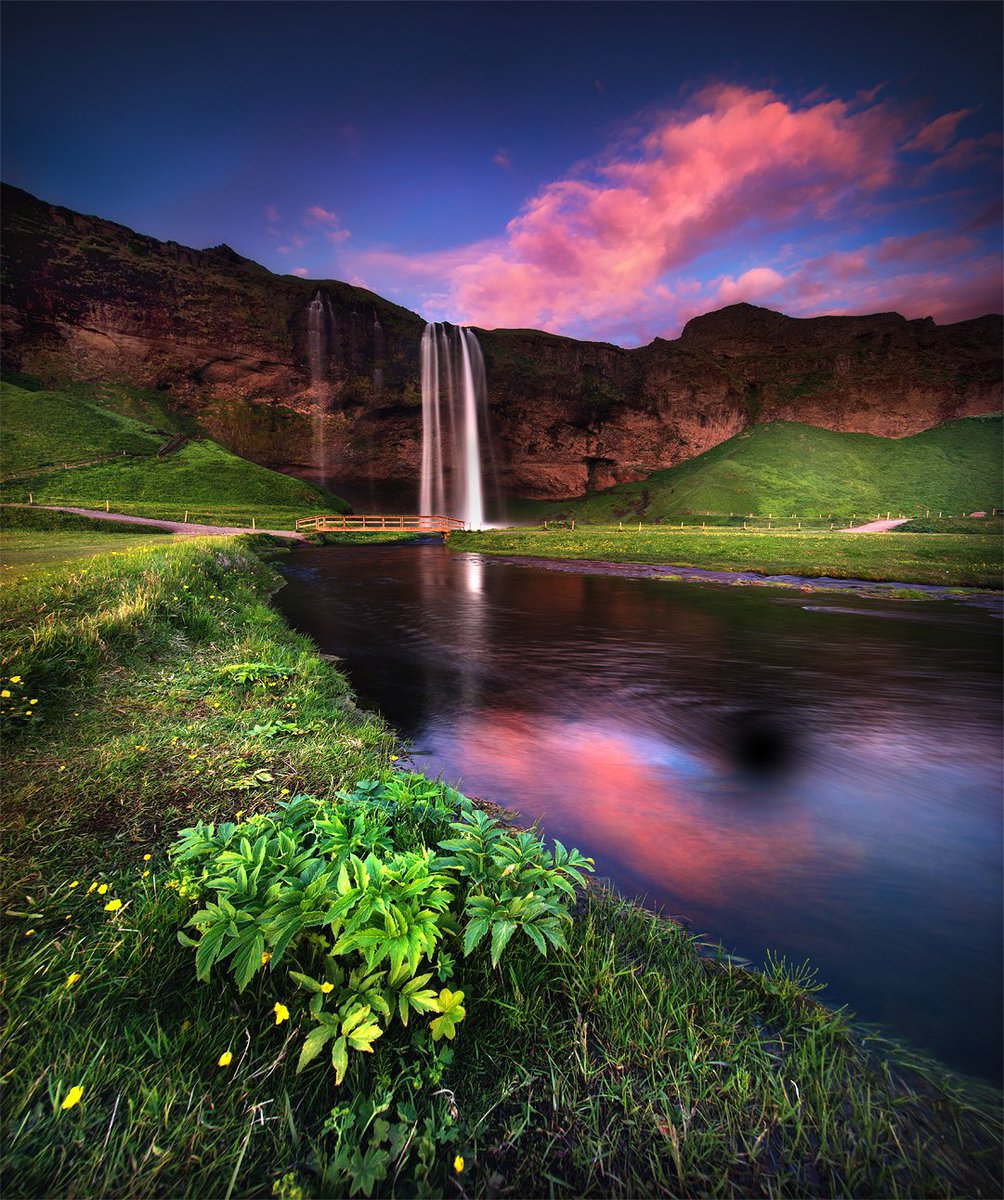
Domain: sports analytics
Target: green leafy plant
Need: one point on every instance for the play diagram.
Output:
(353, 900)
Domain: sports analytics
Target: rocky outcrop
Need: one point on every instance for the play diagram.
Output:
(227, 339)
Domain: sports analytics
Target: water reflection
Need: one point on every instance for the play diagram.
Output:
(821, 783)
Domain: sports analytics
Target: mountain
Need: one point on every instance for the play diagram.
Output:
(230, 343)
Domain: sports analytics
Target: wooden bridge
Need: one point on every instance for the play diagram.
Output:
(379, 524)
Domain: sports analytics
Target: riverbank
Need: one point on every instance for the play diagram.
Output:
(948, 560)
(169, 691)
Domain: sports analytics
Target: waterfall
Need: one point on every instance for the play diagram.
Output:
(319, 317)
(454, 393)
(320, 320)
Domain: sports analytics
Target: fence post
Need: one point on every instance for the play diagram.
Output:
(639, 526)
(107, 509)
(186, 515)
(30, 500)
(252, 524)
(573, 524)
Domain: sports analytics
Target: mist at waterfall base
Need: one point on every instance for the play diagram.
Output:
(456, 440)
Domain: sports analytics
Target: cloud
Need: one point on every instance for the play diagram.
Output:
(283, 249)
(271, 214)
(502, 158)
(617, 248)
(315, 215)
(935, 137)
(301, 271)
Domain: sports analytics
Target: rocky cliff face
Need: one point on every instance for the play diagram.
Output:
(227, 339)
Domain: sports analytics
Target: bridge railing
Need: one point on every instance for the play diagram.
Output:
(339, 523)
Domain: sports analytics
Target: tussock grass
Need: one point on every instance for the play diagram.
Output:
(638, 1064)
(951, 560)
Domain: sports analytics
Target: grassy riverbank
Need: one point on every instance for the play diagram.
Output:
(167, 691)
(953, 560)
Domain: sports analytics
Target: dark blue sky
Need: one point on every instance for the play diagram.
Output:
(599, 169)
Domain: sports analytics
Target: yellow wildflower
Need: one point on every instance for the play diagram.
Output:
(35, 701)
(238, 814)
(265, 957)
(393, 758)
(327, 987)
(281, 1013)
(72, 978)
(29, 933)
(225, 1059)
(75, 883)
(284, 792)
(5, 693)
(144, 875)
(15, 679)
(113, 906)
(72, 1097)
(458, 1164)
(91, 888)
(186, 1024)
(62, 766)
(147, 857)
(102, 889)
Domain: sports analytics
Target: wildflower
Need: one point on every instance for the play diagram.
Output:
(394, 758)
(102, 889)
(139, 748)
(186, 1024)
(15, 678)
(147, 857)
(281, 1013)
(238, 814)
(144, 875)
(284, 792)
(29, 933)
(5, 693)
(72, 1097)
(91, 888)
(62, 766)
(458, 1164)
(75, 883)
(225, 1059)
(265, 957)
(72, 978)
(327, 987)
(35, 701)
(113, 906)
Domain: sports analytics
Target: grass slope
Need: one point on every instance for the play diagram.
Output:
(785, 468)
(628, 1066)
(81, 420)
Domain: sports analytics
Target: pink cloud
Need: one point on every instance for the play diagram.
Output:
(935, 137)
(502, 158)
(337, 235)
(283, 249)
(315, 215)
(271, 214)
(613, 248)
(301, 271)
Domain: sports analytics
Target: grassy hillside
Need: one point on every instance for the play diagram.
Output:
(42, 428)
(784, 468)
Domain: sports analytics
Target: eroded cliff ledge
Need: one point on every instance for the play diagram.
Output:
(224, 337)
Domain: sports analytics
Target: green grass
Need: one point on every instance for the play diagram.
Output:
(632, 1065)
(80, 421)
(951, 560)
(202, 479)
(784, 468)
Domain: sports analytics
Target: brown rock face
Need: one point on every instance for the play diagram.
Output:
(227, 339)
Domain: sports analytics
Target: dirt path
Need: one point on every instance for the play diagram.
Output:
(877, 526)
(185, 528)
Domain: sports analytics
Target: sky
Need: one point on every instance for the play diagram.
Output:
(600, 170)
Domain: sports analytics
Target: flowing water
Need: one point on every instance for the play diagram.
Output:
(456, 438)
(815, 776)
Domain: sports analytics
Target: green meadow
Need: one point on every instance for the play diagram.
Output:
(470, 1013)
(785, 468)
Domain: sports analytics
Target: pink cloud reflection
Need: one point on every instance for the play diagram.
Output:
(614, 251)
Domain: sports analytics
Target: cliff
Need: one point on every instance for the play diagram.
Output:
(231, 342)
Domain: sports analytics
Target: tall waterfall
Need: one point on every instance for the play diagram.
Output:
(455, 433)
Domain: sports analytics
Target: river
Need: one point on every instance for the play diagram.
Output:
(807, 773)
